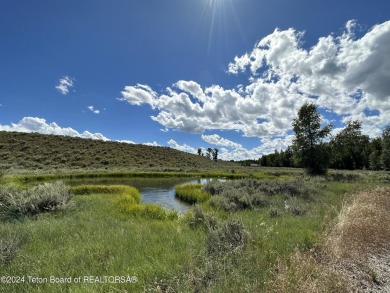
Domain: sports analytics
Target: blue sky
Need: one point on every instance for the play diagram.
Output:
(226, 74)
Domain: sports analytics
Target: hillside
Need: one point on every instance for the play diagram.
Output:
(53, 153)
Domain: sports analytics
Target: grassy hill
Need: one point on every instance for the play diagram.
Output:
(54, 153)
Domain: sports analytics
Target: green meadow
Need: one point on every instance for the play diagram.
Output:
(241, 234)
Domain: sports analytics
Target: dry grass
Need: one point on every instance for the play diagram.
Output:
(354, 256)
(358, 246)
(363, 227)
(303, 273)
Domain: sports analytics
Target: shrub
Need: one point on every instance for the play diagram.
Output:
(228, 238)
(213, 188)
(250, 193)
(295, 207)
(198, 217)
(42, 198)
(343, 177)
(10, 243)
(274, 213)
(191, 193)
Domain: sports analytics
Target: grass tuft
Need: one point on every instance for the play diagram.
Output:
(191, 193)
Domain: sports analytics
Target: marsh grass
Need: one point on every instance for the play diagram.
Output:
(191, 193)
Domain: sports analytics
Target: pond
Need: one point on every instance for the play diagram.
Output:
(153, 190)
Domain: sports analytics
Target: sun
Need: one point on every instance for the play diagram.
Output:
(217, 18)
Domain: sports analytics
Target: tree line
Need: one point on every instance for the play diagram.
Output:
(316, 150)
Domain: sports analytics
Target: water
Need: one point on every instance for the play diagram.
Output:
(153, 190)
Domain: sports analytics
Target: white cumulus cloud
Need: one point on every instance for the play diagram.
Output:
(64, 84)
(139, 94)
(344, 74)
(215, 139)
(154, 143)
(184, 147)
(39, 125)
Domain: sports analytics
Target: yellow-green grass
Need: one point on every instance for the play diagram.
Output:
(191, 193)
(128, 200)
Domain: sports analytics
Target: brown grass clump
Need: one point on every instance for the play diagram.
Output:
(358, 246)
(303, 273)
(355, 256)
(363, 227)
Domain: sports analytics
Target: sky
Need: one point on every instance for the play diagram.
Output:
(189, 74)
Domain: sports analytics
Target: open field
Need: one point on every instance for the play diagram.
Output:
(268, 230)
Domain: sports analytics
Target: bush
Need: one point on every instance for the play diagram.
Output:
(228, 238)
(274, 213)
(42, 198)
(343, 177)
(251, 193)
(10, 243)
(213, 188)
(295, 207)
(198, 218)
(191, 193)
